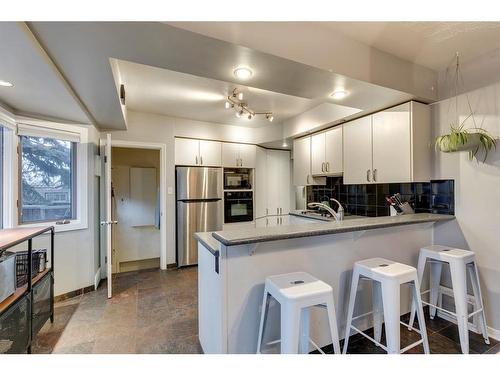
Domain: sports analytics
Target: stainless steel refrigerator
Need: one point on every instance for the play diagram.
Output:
(199, 208)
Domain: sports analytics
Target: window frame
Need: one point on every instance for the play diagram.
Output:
(80, 176)
(74, 187)
(8, 189)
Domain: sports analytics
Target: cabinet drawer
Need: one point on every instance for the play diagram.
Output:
(15, 328)
(41, 302)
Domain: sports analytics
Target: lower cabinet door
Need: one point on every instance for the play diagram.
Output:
(15, 327)
(41, 302)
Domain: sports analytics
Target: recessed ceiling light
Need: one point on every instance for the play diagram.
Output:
(5, 83)
(339, 94)
(242, 73)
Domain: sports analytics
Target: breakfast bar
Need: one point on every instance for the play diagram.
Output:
(233, 265)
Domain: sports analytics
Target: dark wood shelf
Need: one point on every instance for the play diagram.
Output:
(15, 236)
(6, 303)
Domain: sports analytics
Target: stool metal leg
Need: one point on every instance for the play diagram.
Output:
(435, 282)
(290, 329)
(304, 331)
(350, 310)
(391, 301)
(476, 287)
(263, 317)
(417, 301)
(422, 260)
(459, 284)
(332, 319)
(378, 310)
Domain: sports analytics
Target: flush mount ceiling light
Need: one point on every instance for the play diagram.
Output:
(242, 73)
(339, 94)
(235, 101)
(5, 83)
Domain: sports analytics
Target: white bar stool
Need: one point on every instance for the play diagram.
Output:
(387, 277)
(459, 261)
(297, 292)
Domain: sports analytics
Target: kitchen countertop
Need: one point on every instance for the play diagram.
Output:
(208, 241)
(243, 236)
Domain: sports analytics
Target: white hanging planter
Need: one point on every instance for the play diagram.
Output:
(472, 143)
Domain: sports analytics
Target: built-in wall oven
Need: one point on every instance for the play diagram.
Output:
(238, 178)
(238, 206)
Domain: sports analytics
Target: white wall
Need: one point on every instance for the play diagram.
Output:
(477, 193)
(147, 127)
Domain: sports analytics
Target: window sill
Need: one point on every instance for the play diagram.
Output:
(73, 225)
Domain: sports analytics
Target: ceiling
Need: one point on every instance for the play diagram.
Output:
(430, 44)
(38, 88)
(64, 70)
(165, 92)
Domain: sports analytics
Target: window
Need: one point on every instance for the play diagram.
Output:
(47, 175)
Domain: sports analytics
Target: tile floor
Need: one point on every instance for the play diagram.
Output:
(156, 312)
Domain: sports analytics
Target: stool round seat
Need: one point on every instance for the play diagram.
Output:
(387, 277)
(446, 253)
(296, 293)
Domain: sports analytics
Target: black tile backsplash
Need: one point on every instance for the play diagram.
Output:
(436, 196)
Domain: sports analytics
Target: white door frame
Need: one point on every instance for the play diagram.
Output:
(163, 189)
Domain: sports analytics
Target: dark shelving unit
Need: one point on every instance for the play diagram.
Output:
(24, 313)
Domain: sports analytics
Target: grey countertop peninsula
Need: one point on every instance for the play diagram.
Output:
(312, 227)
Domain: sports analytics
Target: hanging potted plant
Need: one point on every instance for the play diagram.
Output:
(475, 140)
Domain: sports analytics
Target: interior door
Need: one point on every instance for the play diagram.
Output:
(358, 151)
(106, 218)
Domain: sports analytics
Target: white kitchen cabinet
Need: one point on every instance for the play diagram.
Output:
(390, 146)
(358, 151)
(260, 184)
(278, 182)
(334, 151)
(318, 154)
(302, 161)
(187, 151)
(238, 155)
(197, 152)
(210, 153)
(326, 152)
(272, 183)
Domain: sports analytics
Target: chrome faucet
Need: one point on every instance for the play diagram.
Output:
(339, 215)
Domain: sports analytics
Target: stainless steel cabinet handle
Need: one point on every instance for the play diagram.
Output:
(307, 180)
(375, 175)
(196, 157)
(277, 211)
(328, 166)
(322, 167)
(201, 160)
(368, 175)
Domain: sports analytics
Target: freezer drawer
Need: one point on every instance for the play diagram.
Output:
(192, 217)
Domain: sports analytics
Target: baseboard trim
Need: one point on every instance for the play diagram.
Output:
(492, 332)
(171, 266)
(74, 293)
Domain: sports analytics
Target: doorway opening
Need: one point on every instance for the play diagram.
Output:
(135, 206)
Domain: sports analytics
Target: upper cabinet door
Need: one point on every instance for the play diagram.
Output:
(301, 161)
(230, 155)
(392, 145)
(358, 151)
(210, 154)
(247, 156)
(187, 151)
(334, 151)
(318, 164)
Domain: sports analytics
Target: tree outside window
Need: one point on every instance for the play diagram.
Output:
(47, 179)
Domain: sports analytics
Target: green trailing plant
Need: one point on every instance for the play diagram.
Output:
(472, 140)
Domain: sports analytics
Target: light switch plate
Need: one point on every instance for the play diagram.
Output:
(170, 190)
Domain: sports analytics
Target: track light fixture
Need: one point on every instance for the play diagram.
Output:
(235, 100)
